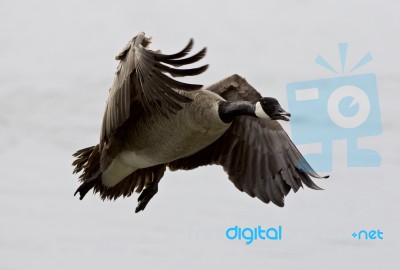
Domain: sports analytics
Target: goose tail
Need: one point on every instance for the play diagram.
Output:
(87, 163)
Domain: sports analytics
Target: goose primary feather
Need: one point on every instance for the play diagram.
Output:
(153, 121)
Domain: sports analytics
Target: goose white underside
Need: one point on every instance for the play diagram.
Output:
(123, 165)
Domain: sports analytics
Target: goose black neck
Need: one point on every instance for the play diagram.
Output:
(229, 110)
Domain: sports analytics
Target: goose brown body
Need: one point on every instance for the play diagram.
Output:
(157, 139)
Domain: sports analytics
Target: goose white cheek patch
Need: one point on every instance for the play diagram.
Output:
(260, 112)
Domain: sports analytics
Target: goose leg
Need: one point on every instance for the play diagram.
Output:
(146, 196)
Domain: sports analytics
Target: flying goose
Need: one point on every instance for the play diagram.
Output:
(153, 121)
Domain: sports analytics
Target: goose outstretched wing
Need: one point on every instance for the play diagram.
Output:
(257, 154)
(141, 83)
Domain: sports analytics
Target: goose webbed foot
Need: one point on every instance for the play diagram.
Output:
(146, 196)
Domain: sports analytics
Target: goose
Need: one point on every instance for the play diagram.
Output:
(152, 121)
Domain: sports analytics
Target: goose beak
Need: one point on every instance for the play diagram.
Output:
(280, 114)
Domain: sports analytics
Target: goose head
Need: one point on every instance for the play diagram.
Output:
(269, 108)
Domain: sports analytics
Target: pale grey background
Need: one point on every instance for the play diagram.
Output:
(56, 63)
